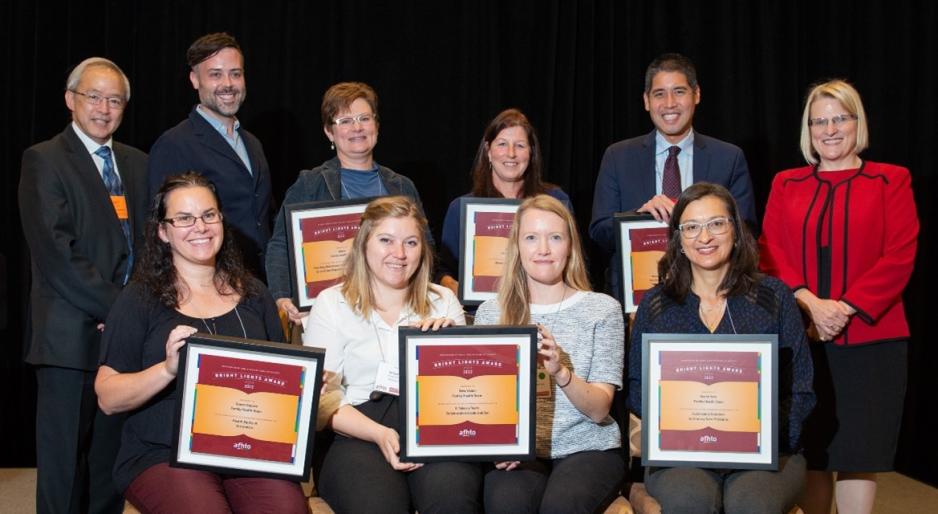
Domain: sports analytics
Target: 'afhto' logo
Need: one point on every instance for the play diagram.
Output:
(467, 432)
(707, 439)
(241, 446)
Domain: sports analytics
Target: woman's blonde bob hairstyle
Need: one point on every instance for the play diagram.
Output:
(356, 286)
(849, 98)
(513, 295)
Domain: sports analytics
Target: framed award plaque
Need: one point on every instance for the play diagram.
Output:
(246, 407)
(467, 393)
(710, 400)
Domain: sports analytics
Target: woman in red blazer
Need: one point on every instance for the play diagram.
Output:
(841, 232)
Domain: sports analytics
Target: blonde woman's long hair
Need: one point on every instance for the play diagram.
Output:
(356, 286)
(513, 295)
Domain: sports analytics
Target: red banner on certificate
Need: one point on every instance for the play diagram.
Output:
(710, 401)
(245, 408)
(467, 394)
(489, 245)
(648, 246)
(326, 243)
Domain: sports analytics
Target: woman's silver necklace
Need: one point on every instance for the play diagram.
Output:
(215, 332)
(378, 192)
(553, 318)
(705, 314)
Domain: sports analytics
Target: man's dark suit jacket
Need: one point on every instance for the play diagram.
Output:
(79, 253)
(627, 180)
(194, 145)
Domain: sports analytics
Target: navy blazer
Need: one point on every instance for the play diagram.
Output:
(627, 180)
(78, 250)
(194, 145)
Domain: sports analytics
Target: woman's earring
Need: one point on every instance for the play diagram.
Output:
(682, 250)
(332, 145)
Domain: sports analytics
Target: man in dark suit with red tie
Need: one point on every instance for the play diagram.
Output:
(647, 173)
(82, 199)
(212, 142)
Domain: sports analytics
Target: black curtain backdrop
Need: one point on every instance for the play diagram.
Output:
(443, 69)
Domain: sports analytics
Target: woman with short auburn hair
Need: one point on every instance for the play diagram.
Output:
(350, 122)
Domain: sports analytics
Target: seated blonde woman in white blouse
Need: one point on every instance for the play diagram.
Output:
(386, 286)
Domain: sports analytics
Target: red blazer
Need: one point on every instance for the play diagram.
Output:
(866, 218)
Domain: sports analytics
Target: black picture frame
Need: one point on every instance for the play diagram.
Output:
(625, 223)
(470, 290)
(294, 215)
(742, 362)
(476, 348)
(236, 365)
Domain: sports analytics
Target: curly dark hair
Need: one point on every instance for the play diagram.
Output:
(674, 267)
(154, 268)
(482, 184)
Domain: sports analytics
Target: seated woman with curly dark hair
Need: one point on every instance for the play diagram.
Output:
(189, 278)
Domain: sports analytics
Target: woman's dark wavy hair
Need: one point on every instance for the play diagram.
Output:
(674, 268)
(154, 268)
(482, 184)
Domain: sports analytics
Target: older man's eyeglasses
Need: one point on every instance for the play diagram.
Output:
(348, 121)
(836, 120)
(188, 220)
(715, 227)
(114, 102)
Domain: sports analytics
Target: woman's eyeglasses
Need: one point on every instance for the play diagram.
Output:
(715, 227)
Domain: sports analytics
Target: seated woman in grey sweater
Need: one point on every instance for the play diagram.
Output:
(580, 358)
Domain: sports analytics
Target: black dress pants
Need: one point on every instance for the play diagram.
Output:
(76, 445)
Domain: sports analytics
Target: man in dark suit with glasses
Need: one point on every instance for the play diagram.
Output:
(82, 199)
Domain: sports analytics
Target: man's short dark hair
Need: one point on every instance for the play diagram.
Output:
(209, 45)
(671, 62)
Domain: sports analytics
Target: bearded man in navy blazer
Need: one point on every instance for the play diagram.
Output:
(82, 199)
(632, 173)
(212, 142)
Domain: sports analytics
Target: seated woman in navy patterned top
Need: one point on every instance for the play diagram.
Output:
(710, 284)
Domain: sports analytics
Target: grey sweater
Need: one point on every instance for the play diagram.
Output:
(589, 329)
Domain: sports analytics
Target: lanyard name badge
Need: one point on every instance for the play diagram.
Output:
(543, 388)
(120, 206)
(387, 378)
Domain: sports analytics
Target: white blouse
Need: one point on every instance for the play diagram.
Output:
(356, 345)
